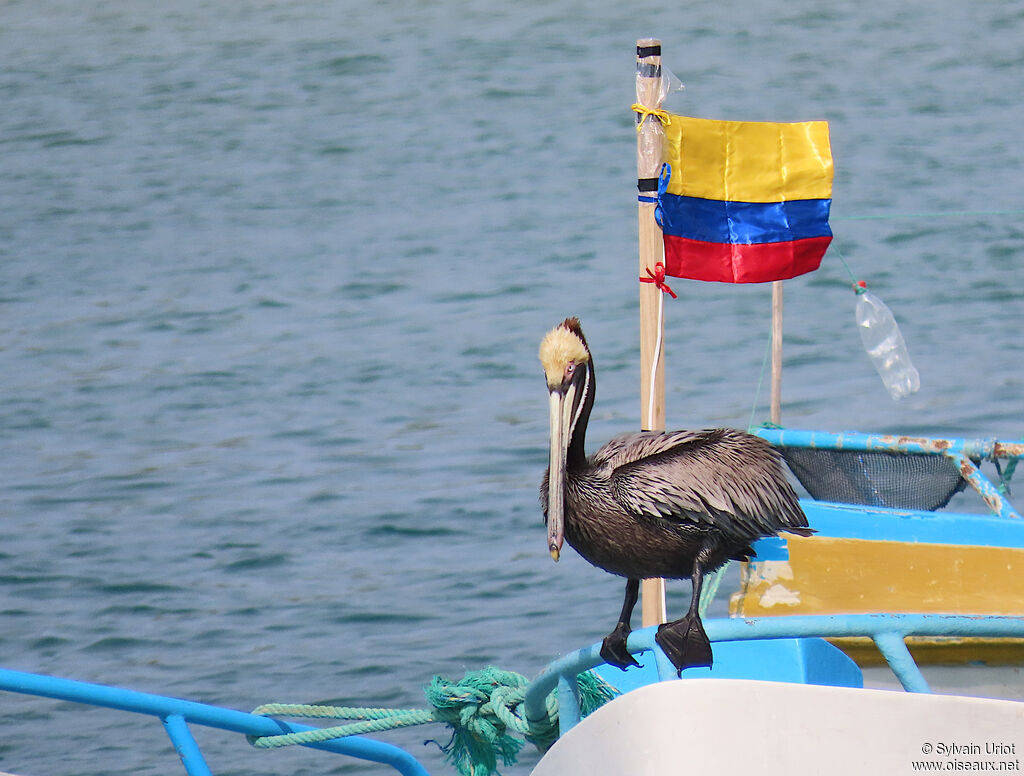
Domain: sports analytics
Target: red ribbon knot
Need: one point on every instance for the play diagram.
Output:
(658, 278)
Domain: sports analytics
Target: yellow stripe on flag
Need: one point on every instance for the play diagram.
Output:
(749, 161)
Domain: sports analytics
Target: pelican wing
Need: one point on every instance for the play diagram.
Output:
(717, 477)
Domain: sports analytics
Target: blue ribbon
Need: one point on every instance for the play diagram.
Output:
(659, 211)
(663, 179)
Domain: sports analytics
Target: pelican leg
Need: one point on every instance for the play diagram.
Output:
(613, 648)
(684, 641)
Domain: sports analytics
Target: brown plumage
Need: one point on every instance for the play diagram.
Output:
(674, 504)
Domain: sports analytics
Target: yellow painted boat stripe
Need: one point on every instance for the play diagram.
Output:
(854, 576)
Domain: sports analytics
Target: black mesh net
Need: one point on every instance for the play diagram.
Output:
(897, 480)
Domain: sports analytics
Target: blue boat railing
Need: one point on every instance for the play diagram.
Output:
(176, 716)
(888, 632)
(962, 452)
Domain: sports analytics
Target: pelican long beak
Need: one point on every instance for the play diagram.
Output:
(560, 410)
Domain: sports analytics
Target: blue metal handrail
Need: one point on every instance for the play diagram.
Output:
(962, 452)
(888, 632)
(177, 714)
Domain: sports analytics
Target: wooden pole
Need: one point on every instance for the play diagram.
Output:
(649, 150)
(776, 406)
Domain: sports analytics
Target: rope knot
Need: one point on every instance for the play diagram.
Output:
(483, 710)
(658, 278)
(662, 115)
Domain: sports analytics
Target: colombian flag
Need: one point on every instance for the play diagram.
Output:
(744, 201)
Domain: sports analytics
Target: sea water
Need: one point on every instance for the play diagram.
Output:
(273, 277)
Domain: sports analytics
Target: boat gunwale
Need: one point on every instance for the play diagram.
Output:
(888, 631)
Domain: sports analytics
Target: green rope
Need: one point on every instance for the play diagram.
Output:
(948, 214)
(1005, 475)
(378, 722)
(709, 590)
(853, 278)
(768, 347)
(760, 381)
(483, 709)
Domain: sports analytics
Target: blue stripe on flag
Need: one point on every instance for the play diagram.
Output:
(744, 223)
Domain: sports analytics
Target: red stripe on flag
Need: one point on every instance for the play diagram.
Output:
(732, 263)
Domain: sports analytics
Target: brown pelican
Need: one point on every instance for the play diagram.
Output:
(671, 504)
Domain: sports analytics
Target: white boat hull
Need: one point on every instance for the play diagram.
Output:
(725, 726)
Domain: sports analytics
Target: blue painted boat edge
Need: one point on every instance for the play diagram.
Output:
(796, 660)
(851, 521)
(982, 449)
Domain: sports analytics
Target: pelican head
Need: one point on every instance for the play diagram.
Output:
(567, 369)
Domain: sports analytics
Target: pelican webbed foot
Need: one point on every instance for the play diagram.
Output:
(685, 643)
(613, 648)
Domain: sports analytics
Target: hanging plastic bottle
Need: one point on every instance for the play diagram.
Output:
(884, 344)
